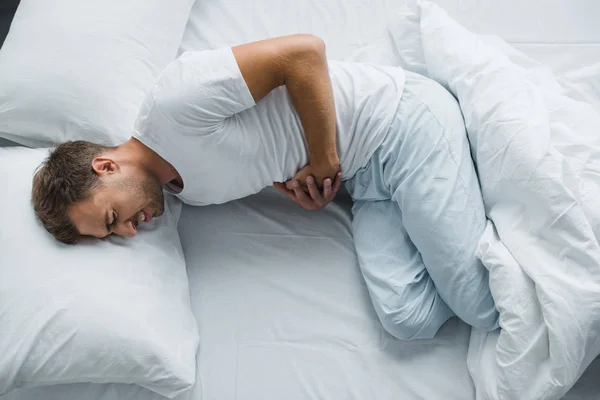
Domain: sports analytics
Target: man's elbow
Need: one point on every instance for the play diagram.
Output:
(310, 47)
(316, 45)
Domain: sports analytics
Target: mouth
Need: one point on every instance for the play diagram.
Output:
(140, 217)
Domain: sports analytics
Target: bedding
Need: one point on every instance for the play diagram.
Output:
(537, 153)
(73, 69)
(103, 311)
(278, 321)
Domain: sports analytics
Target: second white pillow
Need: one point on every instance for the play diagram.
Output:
(72, 69)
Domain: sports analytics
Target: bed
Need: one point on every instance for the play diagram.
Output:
(279, 301)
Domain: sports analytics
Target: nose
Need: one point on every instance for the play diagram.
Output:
(125, 229)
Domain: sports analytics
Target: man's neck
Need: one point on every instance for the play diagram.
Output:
(135, 151)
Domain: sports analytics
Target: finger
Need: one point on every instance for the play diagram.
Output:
(313, 189)
(280, 187)
(301, 195)
(337, 184)
(299, 177)
(327, 189)
(290, 183)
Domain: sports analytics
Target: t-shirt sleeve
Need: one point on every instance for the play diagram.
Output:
(200, 90)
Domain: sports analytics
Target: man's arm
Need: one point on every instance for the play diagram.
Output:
(299, 62)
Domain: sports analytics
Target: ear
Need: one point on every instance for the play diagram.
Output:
(105, 166)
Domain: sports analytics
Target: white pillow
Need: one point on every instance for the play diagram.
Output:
(72, 69)
(114, 310)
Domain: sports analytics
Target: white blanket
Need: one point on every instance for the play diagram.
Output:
(537, 152)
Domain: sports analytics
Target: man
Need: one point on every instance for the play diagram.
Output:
(222, 124)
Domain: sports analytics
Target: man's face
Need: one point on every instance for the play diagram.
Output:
(124, 199)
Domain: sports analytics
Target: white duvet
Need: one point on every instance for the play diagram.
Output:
(537, 152)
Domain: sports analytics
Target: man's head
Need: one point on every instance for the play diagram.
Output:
(85, 189)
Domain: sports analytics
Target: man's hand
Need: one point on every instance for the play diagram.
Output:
(318, 168)
(310, 198)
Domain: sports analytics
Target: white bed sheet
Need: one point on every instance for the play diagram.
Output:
(285, 314)
(281, 306)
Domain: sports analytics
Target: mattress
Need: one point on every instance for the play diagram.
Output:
(280, 303)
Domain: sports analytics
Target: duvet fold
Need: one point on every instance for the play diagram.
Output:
(537, 154)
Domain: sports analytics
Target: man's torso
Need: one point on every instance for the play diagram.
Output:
(222, 159)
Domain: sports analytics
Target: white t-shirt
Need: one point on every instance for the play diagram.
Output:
(201, 117)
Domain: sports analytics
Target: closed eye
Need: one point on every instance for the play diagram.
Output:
(111, 225)
(114, 221)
